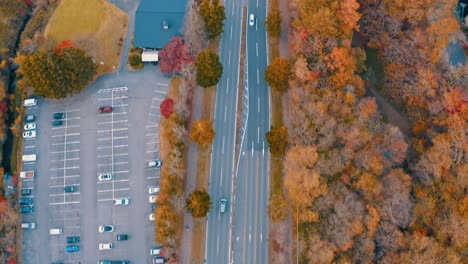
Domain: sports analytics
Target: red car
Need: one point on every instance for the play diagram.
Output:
(105, 109)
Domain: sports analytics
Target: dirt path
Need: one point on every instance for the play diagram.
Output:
(390, 113)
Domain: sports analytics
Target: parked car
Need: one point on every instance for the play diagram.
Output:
(30, 126)
(251, 20)
(106, 246)
(28, 209)
(69, 189)
(153, 190)
(57, 122)
(151, 217)
(155, 251)
(105, 177)
(124, 201)
(154, 163)
(58, 115)
(27, 174)
(29, 134)
(159, 260)
(28, 225)
(122, 237)
(153, 206)
(30, 118)
(106, 228)
(26, 192)
(26, 201)
(72, 248)
(105, 109)
(152, 198)
(73, 239)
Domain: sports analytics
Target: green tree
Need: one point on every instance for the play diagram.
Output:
(198, 204)
(273, 22)
(135, 60)
(202, 132)
(212, 13)
(277, 138)
(209, 69)
(277, 74)
(58, 73)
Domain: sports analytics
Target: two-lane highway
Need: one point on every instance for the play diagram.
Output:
(222, 160)
(250, 234)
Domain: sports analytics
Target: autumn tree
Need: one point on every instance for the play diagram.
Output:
(209, 68)
(277, 138)
(277, 74)
(174, 55)
(273, 22)
(198, 204)
(167, 107)
(213, 15)
(202, 132)
(193, 28)
(58, 73)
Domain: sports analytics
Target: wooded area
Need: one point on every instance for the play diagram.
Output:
(360, 191)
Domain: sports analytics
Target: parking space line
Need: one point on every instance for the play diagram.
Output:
(115, 155)
(73, 150)
(68, 176)
(150, 178)
(29, 147)
(65, 168)
(72, 142)
(117, 163)
(149, 135)
(112, 199)
(66, 135)
(156, 91)
(151, 151)
(66, 159)
(153, 125)
(116, 129)
(63, 194)
(61, 127)
(123, 180)
(123, 171)
(61, 203)
(152, 142)
(111, 147)
(157, 99)
(26, 180)
(101, 139)
(55, 186)
(121, 189)
(119, 105)
(32, 162)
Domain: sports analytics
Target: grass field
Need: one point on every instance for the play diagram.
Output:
(98, 27)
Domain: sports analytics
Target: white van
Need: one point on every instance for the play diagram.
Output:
(30, 102)
(31, 157)
(55, 231)
(27, 174)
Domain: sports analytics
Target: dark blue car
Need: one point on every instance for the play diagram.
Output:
(72, 248)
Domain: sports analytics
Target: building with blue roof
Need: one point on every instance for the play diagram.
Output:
(156, 22)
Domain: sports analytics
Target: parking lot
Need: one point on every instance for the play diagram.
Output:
(67, 192)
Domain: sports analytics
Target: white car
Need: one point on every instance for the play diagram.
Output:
(155, 251)
(251, 20)
(152, 198)
(105, 177)
(124, 201)
(106, 228)
(30, 126)
(106, 246)
(151, 217)
(29, 134)
(153, 190)
(154, 163)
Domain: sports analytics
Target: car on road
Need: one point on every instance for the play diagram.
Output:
(29, 134)
(154, 163)
(73, 239)
(28, 209)
(155, 251)
(105, 109)
(72, 248)
(222, 205)
(123, 201)
(28, 225)
(57, 122)
(105, 177)
(70, 189)
(106, 246)
(251, 20)
(153, 190)
(151, 217)
(26, 192)
(30, 126)
(122, 237)
(27, 201)
(152, 198)
(30, 118)
(106, 228)
(58, 115)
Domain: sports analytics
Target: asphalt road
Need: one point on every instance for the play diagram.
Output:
(250, 235)
(218, 240)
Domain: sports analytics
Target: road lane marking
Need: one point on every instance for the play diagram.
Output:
(222, 149)
(67, 176)
(258, 99)
(121, 189)
(229, 58)
(225, 113)
(231, 33)
(256, 47)
(258, 134)
(258, 77)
